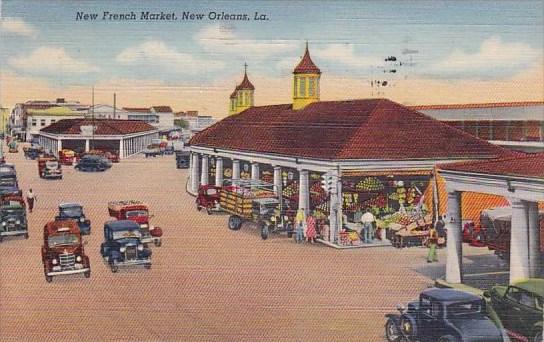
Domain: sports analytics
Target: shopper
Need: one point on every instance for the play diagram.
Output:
(30, 199)
(311, 230)
(299, 221)
(440, 226)
(368, 230)
(432, 242)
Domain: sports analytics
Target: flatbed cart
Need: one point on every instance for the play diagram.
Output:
(254, 201)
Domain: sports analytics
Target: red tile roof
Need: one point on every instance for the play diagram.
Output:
(523, 165)
(103, 127)
(479, 105)
(246, 84)
(306, 65)
(162, 109)
(136, 109)
(355, 129)
(233, 94)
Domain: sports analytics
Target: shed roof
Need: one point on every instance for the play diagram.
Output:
(103, 126)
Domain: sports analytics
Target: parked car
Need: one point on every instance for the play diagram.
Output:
(182, 159)
(13, 217)
(33, 152)
(138, 212)
(443, 315)
(152, 151)
(123, 245)
(8, 182)
(208, 198)
(519, 307)
(74, 211)
(67, 157)
(49, 167)
(92, 163)
(62, 250)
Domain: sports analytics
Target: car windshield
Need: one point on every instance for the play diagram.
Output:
(127, 234)
(211, 191)
(12, 211)
(458, 310)
(72, 212)
(136, 213)
(7, 182)
(51, 164)
(63, 240)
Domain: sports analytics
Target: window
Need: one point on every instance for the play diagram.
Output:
(34, 122)
(53, 121)
(463, 309)
(311, 86)
(522, 297)
(42, 122)
(302, 87)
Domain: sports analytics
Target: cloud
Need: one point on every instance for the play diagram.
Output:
(159, 54)
(48, 60)
(494, 55)
(17, 26)
(223, 39)
(345, 54)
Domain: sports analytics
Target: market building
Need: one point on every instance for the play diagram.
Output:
(122, 137)
(372, 153)
(520, 181)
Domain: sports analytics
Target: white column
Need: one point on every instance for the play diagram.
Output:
(218, 171)
(535, 261)
(204, 172)
(255, 171)
(454, 259)
(87, 148)
(59, 144)
(194, 173)
(277, 180)
(304, 191)
(235, 169)
(519, 241)
(121, 154)
(335, 210)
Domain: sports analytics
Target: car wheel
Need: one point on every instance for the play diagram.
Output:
(147, 266)
(1, 239)
(391, 331)
(265, 231)
(448, 338)
(157, 243)
(198, 207)
(233, 222)
(209, 210)
(114, 268)
(87, 274)
(26, 236)
(537, 337)
(49, 278)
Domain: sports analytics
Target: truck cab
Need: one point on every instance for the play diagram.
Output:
(49, 168)
(74, 211)
(67, 157)
(138, 212)
(13, 217)
(123, 245)
(62, 250)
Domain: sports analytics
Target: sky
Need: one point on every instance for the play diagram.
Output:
(446, 51)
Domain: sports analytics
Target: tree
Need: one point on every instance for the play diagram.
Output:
(181, 123)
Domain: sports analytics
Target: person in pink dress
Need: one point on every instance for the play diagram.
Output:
(311, 230)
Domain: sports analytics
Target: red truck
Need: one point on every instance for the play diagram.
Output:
(62, 250)
(138, 212)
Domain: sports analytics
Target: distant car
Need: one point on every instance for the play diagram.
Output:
(13, 217)
(519, 307)
(90, 163)
(182, 159)
(123, 246)
(442, 315)
(208, 198)
(74, 211)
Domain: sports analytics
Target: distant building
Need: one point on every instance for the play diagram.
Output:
(102, 111)
(161, 117)
(18, 116)
(4, 120)
(195, 121)
(516, 125)
(36, 119)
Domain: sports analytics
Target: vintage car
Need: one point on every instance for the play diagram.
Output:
(33, 152)
(443, 315)
(208, 198)
(62, 250)
(13, 217)
(138, 212)
(13, 147)
(151, 151)
(74, 211)
(49, 168)
(8, 182)
(67, 157)
(123, 245)
(92, 163)
(182, 159)
(519, 307)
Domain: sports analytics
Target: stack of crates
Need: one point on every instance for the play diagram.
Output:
(235, 203)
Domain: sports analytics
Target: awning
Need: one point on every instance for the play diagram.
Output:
(387, 173)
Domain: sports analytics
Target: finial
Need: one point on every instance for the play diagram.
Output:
(245, 68)
(306, 44)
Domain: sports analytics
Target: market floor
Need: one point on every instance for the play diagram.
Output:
(206, 284)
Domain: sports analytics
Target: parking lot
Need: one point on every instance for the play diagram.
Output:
(206, 283)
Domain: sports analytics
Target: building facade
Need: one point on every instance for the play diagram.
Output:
(161, 117)
(36, 119)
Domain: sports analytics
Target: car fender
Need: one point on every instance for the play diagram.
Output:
(406, 318)
(115, 256)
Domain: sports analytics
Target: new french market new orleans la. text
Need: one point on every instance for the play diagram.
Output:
(167, 16)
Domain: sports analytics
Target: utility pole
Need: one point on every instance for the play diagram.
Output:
(114, 105)
(92, 114)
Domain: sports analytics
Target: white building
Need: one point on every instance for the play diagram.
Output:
(102, 111)
(161, 117)
(196, 122)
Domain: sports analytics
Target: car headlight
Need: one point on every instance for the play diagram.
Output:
(18, 222)
(78, 258)
(82, 219)
(273, 219)
(4, 223)
(144, 225)
(122, 249)
(140, 247)
(54, 261)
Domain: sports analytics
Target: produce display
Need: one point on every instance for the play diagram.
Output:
(369, 184)
(291, 191)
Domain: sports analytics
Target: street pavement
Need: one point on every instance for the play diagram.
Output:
(206, 283)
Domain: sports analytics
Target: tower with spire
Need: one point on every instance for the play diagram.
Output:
(242, 96)
(305, 82)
